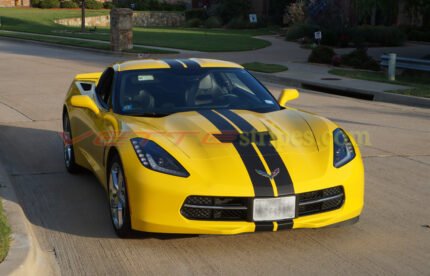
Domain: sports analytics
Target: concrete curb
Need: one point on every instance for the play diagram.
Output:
(25, 256)
(98, 51)
(347, 91)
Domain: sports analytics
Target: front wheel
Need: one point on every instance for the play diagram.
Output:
(118, 199)
(69, 153)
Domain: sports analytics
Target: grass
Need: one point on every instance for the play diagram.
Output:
(4, 235)
(81, 43)
(264, 67)
(420, 84)
(198, 39)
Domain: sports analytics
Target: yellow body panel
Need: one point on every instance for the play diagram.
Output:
(215, 168)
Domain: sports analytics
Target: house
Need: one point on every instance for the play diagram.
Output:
(14, 3)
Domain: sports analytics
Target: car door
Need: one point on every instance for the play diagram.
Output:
(99, 131)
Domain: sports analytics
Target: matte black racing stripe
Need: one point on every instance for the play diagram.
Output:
(263, 226)
(251, 160)
(284, 225)
(283, 181)
(191, 64)
(174, 64)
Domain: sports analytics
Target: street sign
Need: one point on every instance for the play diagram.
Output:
(253, 18)
(318, 35)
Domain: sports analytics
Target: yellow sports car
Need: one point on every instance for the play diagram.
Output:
(200, 146)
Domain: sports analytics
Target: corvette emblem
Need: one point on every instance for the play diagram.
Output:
(270, 176)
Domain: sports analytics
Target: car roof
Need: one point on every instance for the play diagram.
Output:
(143, 64)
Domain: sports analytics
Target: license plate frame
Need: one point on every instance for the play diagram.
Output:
(274, 209)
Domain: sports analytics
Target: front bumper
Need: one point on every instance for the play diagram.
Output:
(156, 200)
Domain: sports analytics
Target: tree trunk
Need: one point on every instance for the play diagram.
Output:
(83, 17)
(373, 17)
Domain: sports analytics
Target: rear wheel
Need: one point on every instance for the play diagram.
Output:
(69, 153)
(118, 199)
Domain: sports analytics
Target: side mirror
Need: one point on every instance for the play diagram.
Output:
(288, 95)
(84, 101)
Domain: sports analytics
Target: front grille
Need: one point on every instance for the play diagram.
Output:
(215, 208)
(320, 201)
(237, 208)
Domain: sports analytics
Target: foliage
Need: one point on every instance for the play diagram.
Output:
(277, 9)
(376, 11)
(108, 5)
(238, 23)
(378, 35)
(295, 12)
(194, 23)
(151, 5)
(93, 4)
(322, 54)
(231, 9)
(35, 3)
(69, 5)
(359, 59)
(195, 13)
(49, 4)
(4, 234)
(417, 35)
(299, 31)
(213, 22)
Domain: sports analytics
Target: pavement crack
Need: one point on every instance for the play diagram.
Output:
(36, 173)
(14, 109)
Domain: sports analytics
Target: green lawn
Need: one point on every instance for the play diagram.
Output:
(4, 234)
(420, 85)
(264, 67)
(199, 39)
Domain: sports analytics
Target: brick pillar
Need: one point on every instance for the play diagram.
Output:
(121, 29)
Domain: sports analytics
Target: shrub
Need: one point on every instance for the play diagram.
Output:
(69, 5)
(93, 5)
(49, 4)
(213, 22)
(231, 9)
(35, 3)
(298, 31)
(180, 6)
(322, 54)
(194, 23)
(196, 13)
(359, 59)
(419, 35)
(378, 35)
(238, 23)
(108, 5)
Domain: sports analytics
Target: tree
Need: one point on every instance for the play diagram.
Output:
(83, 16)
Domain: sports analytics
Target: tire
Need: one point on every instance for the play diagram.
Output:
(69, 152)
(118, 198)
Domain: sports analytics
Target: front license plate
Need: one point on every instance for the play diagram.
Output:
(268, 209)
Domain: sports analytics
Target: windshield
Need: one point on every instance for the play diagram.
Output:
(163, 92)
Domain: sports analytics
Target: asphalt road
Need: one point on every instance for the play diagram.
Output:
(70, 216)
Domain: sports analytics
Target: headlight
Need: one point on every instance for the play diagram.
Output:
(153, 157)
(343, 149)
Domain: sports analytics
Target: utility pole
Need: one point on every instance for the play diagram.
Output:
(83, 17)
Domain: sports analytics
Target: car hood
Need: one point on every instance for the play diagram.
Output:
(190, 137)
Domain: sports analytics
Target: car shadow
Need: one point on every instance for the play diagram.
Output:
(50, 197)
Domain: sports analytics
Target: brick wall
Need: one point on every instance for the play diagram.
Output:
(14, 3)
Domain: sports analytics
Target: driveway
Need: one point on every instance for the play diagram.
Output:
(70, 217)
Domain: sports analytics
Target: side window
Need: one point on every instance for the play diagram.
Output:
(104, 87)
